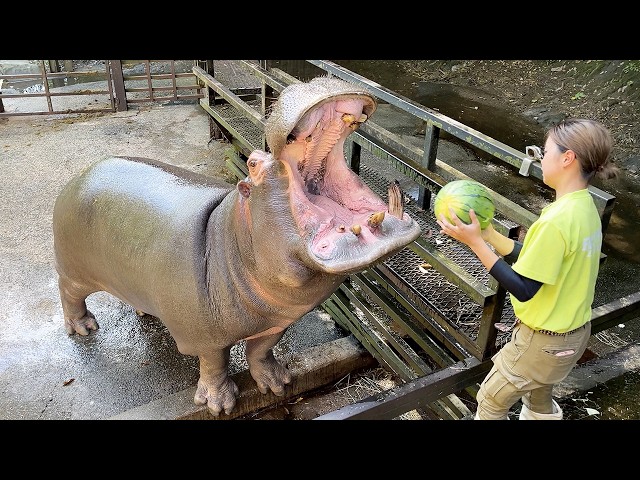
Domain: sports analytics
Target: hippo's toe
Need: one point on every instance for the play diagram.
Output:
(270, 375)
(81, 325)
(217, 398)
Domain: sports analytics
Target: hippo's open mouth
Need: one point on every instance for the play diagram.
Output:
(347, 225)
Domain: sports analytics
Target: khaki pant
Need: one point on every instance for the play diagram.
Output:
(527, 368)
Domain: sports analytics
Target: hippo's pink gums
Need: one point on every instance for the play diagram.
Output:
(219, 264)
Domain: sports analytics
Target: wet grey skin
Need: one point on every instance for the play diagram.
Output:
(219, 264)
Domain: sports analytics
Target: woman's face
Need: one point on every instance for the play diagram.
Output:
(551, 163)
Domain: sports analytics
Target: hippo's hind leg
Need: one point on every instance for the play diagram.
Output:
(77, 319)
(263, 366)
(215, 388)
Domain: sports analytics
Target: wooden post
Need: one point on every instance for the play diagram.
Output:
(118, 85)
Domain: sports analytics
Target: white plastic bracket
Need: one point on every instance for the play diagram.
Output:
(534, 154)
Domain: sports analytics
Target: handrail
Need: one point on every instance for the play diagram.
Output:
(501, 151)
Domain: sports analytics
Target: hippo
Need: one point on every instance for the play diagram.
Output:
(219, 263)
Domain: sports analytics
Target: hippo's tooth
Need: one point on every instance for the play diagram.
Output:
(356, 229)
(348, 118)
(340, 228)
(396, 200)
(375, 219)
(351, 121)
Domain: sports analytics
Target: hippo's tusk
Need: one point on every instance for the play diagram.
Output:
(356, 229)
(396, 200)
(375, 219)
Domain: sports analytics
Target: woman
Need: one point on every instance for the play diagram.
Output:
(552, 277)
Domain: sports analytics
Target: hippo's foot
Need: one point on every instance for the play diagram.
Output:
(218, 393)
(269, 374)
(81, 325)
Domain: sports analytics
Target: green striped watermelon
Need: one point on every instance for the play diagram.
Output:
(463, 195)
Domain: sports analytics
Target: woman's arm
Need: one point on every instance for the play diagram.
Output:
(522, 288)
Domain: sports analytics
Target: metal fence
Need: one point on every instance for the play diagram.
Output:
(94, 86)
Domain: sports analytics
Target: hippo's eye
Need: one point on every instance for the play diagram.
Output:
(291, 138)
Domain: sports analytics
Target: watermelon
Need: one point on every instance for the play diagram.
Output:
(463, 195)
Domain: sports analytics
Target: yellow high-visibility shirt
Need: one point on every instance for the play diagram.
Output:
(561, 250)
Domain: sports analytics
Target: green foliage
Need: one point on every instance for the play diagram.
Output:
(578, 96)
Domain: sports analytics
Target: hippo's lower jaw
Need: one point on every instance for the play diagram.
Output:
(347, 252)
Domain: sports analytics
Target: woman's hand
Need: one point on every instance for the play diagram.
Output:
(466, 233)
(471, 235)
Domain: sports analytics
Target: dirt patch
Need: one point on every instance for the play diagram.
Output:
(548, 90)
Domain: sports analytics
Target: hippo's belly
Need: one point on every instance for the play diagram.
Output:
(136, 228)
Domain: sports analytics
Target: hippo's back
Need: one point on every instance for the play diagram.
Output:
(125, 223)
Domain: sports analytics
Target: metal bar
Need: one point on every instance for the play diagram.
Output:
(245, 145)
(56, 94)
(617, 311)
(441, 330)
(55, 112)
(404, 352)
(412, 320)
(195, 96)
(380, 343)
(159, 76)
(230, 97)
(383, 299)
(160, 89)
(415, 394)
(50, 75)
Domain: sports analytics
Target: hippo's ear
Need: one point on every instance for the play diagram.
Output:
(244, 188)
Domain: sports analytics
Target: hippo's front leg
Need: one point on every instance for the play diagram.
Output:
(263, 366)
(215, 388)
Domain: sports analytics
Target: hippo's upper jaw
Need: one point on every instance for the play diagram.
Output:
(347, 226)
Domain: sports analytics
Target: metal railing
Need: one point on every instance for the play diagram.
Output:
(112, 89)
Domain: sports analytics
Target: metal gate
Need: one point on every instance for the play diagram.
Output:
(95, 86)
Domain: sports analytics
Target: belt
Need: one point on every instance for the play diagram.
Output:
(506, 328)
(557, 334)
